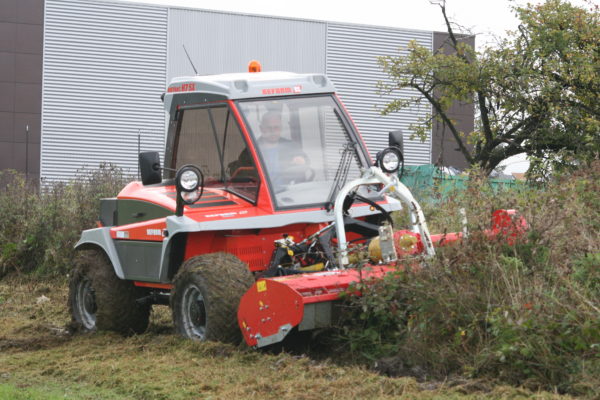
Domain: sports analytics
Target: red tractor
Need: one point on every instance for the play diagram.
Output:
(268, 206)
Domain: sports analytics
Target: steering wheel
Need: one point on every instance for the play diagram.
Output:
(349, 200)
(244, 174)
(298, 173)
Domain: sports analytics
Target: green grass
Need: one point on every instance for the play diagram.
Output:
(52, 391)
(38, 360)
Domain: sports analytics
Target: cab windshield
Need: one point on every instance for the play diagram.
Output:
(303, 144)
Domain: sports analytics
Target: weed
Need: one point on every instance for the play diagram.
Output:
(527, 314)
(39, 226)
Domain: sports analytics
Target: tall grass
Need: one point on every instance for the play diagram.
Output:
(39, 226)
(527, 314)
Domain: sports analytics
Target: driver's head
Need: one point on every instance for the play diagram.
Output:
(270, 127)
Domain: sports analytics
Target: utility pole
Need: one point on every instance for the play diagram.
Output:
(27, 152)
(139, 149)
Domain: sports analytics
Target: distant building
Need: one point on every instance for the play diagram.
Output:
(80, 79)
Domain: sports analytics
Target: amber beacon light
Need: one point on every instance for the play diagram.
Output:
(254, 66)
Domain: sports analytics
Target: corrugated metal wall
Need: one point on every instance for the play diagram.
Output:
(106, 64)
(104, 72)
(352, 52)
(222, 43)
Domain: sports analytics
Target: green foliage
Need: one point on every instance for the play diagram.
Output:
(38, 227)
(586, 272)
(535, 92)
(526, 314)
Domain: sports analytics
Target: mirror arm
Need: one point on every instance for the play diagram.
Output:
(164, 169)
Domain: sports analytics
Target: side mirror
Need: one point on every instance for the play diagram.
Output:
(150, 167)
(396, 140)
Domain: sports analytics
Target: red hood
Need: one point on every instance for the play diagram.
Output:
(165, 196)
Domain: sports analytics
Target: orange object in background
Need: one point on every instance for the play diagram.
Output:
(254, 66)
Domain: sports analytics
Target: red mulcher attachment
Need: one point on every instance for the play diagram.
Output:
(272, 307)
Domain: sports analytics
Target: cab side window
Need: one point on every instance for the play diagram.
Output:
(210, 138)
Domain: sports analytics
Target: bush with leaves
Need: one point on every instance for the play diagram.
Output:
(527, 314)
(40, 225)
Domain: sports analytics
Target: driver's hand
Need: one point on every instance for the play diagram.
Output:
(298, 160)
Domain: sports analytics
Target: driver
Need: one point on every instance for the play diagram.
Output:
(283, 159)
(277, 152)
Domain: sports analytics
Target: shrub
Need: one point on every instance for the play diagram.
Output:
(40, 225)
(527, 314)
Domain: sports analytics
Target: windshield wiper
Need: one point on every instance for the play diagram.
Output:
(341, 175)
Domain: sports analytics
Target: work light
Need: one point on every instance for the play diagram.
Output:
(190, 197)
(189, 181)
(389, 160)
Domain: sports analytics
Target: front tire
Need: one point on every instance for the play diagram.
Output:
(99, 300)
(206, 295)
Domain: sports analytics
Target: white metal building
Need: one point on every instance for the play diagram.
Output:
(106, 64)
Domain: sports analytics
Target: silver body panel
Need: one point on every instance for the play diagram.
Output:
(248, 85)
(100, 237)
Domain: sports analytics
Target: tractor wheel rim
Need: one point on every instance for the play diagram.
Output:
(194, 315)
(86, 304)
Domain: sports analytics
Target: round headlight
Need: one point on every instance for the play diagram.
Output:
(389, 160)
(188, 180)
(190, 197)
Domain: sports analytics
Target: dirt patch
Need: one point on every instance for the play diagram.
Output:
(395, 367)
(12, 345)
(43, 329)
(33, 315)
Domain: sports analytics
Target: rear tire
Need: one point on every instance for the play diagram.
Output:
(99, 300)
(206, 295)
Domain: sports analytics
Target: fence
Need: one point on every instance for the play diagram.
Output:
(425, 178)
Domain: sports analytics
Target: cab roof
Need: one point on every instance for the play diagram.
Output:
(243, 86)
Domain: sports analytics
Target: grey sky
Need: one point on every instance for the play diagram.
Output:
(483, 17)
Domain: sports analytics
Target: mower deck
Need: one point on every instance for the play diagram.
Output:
(273, 306)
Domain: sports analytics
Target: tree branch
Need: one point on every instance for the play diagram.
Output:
(449, 26)
(485, 120)
(448, 122)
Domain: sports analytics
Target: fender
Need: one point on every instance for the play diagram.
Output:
(100, 237)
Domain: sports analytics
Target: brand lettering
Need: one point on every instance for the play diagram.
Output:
(184, 87)
(283, 90)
